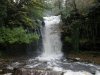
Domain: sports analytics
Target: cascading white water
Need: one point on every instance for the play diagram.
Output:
(47, 63)
(51, 38)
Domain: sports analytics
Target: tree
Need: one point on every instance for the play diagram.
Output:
(3, 10)
(81, 18)
(21, 15)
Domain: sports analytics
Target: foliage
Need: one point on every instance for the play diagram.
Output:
(68, 39)
(23, 13)
(16, 35)
(82, 22)
(18, 20)
(3, 10)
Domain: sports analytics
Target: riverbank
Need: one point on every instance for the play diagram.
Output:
(91, 57)
(84, 56)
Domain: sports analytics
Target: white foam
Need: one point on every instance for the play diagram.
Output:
(97, 73)
(69, 72)
(49, 57)
(92, 65)
(58, 69)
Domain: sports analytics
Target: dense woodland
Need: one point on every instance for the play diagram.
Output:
(20, 22)
(81, 31)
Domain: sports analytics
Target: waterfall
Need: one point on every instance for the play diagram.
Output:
(51, 37)
(48, 63)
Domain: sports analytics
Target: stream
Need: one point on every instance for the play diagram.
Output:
(51, 61)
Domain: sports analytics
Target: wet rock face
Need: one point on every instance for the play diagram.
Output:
(23, 71)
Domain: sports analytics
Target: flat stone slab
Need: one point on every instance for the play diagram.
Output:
(24, 71)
